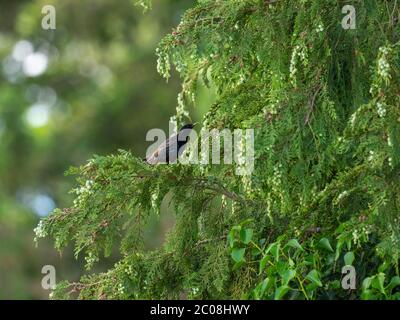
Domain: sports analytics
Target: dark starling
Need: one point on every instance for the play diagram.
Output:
(172, 146)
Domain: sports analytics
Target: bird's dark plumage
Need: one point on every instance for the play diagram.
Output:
(170, 150)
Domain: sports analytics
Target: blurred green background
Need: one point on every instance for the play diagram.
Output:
(88, 87)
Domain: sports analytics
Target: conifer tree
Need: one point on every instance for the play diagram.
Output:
(323, 101)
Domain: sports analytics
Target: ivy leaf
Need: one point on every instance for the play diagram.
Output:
(263, 263)
(281, 267)
(263, 287)
(280, 292)
(378, 282)
(366, 283)
(274, 248)
(230, 238)
(325, 244)
(288, 275)
(234, 235)
(394, 282)
(246, 235)
(238, 254)
(313, 276)
(339, 246)
(294, 244)
(349, 258)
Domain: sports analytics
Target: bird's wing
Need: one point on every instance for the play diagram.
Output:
(183, 137)
(161, 154)
(172, 149)
(182, 149)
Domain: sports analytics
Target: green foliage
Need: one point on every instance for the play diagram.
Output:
(289, 270)
(325, 189)
(101, 62)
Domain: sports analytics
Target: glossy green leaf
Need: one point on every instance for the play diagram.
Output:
(275, 251)
(238, 254)
(263, 263)
(288, 275)
(294, 244)
(313, 276)
(366, 283)
(349, 258)
(246, 235)
(378, 282)
(264, 285)
(394, 282)
(339, 246)
(325, 244)
(281, 292)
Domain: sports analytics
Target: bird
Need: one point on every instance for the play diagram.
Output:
(172, 148)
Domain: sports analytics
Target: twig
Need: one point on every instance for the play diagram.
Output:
(311, 103)
(201, 242)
